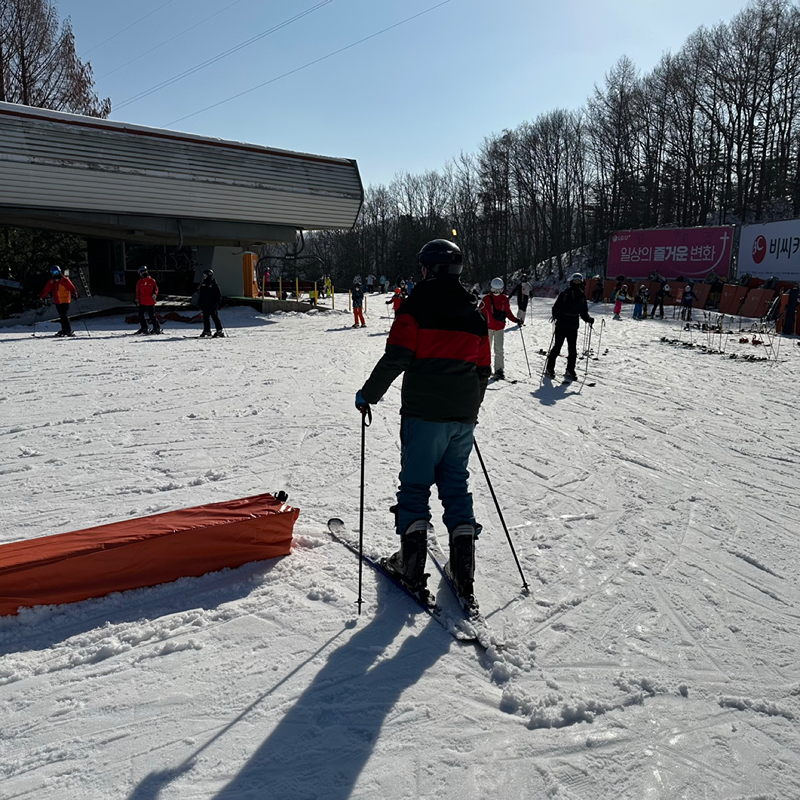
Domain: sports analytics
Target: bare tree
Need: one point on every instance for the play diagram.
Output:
(38, 63)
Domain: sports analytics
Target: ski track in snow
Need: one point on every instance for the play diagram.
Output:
(655, 516)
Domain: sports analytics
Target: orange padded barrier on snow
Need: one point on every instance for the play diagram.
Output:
(732, 297)
(143, 552)
(757, 302)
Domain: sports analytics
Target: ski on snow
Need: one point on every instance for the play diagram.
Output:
(463, 630)
(473, 618)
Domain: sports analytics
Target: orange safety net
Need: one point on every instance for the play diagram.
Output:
(142, 552)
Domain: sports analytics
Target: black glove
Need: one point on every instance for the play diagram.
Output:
(591, 321)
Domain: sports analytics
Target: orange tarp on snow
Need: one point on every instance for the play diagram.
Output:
(143, 552)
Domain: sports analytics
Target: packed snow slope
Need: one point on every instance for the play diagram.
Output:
(655, 516)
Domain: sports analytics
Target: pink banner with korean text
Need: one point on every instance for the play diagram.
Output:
(691, 253)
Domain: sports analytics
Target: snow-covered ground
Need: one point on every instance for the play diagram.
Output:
(656, 516)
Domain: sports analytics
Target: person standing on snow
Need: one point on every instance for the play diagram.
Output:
(370, 282)
(640, 302)
(396, 300)
(569, 306)
(496, 307)
(658, 300)
(208, 301)
(382, 283)
(687, 301)
(63, 291)
(146, 294)
(522, 292)
(439, 340)
(357, 294)
(620, 298)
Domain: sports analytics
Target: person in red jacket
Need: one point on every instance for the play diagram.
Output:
(63, 290)
(396, 300)
(496, 309)
(146, 294)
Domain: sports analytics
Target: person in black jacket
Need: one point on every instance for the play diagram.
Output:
(569, 306)
(208, 300)
(658, 300)
(440, 341)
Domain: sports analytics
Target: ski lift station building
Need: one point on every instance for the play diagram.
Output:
(136, 193)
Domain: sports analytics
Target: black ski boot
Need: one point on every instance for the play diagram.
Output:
(408, 563)
(461, 566)
(204, 334)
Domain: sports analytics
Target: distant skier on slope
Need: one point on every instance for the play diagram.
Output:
(658, 300)
(396, 300)
(357, 295)
(440, 341)
(146, 294)
(63, 292)
(208, 301)
(497, 309)
(569, 306)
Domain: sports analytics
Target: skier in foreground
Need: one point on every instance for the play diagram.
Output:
(440, 341)
(63, 291)
(569, 305)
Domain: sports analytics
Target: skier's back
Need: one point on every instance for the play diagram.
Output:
(439, 340)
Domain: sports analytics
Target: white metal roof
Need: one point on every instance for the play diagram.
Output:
(52, 160)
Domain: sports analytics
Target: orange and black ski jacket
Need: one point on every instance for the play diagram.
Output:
(63, 290)
(440, 341)
(146, 291)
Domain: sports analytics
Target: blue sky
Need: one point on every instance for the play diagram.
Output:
(406, 100)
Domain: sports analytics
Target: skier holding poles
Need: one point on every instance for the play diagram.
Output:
(569, 305)
(146, 294)
(63, 291)
(440, 341)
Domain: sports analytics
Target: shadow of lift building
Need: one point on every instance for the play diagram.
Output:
(127, 188)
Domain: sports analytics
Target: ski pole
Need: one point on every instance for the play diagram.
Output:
(547, 354)
(365, 412)
(82, 320)
(525, 350)
(500, 514)
(600, 338)
(588, 351)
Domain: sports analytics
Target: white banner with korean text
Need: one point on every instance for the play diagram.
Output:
(771, 250)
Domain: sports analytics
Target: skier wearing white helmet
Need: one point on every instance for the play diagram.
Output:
(496, 309)
(569, 306)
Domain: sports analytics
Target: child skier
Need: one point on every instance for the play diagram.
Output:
(395, 300)
(63, 291)
(496, 308)
(357, 294)
(146, 294)
(621, 297)
(640, 302)
(687, 301)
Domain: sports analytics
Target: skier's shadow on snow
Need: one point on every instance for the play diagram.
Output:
(548, 394)
(321, 745)
(319, 748)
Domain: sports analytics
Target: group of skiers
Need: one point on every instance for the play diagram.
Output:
(209, 297)
(620, 295)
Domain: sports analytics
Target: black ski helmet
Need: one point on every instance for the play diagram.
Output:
(441, 257)
(208, 273)
(143, 270)
(55, 271)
